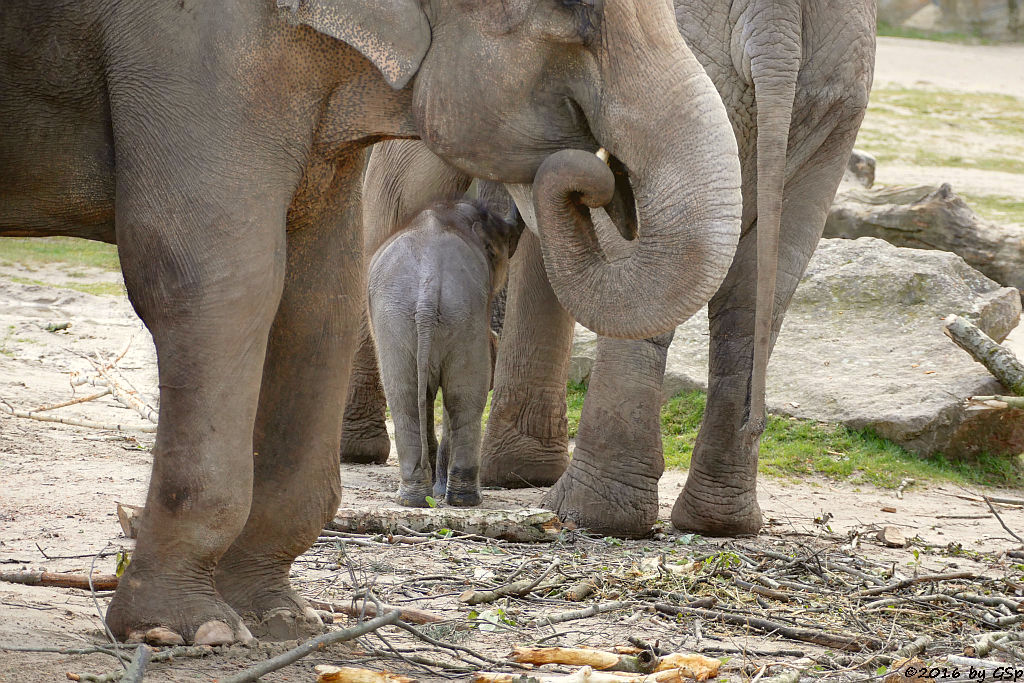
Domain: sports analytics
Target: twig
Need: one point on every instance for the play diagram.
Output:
(999, 518)
(135, 670)
(999, 360)
(311, 646)
(72, 402)
(99, 649)
(437, 643)
(103, 582)
(911, 649)
(905, 583)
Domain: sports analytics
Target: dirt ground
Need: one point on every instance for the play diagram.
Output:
(59, 486)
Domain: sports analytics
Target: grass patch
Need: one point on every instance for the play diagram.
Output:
(30, 251)
(895, 31)
(797, 448)
(94, 288)
(1001, 209)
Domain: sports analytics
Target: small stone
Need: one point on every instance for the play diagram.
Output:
(892, 536)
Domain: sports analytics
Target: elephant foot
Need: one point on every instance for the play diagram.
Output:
(365, 446)
(512, 459)
(716, 511)
(413, 496)
(170, 611)
(271, 609)
(463, 499)
(611, 505)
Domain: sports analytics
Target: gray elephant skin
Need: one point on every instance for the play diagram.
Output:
(221, 146)
(429, 297)
(795, 76)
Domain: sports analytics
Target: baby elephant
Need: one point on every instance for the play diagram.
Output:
(430, 289)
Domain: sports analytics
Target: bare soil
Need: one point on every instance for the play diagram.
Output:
(60, 485)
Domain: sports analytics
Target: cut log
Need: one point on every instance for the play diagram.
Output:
(518, 526)
(100, 582)
(892, 536)
(327, 673)
(999, 360)
(644, 662)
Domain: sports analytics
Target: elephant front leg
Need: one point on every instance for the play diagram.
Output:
(297, 435)
(611, 486)
(208, 299)
(364, 435)
(526, 442)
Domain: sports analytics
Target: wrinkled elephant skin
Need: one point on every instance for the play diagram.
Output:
(220, 145)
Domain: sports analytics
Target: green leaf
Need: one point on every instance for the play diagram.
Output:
(124, 558)
(431, 501)
(880, 671)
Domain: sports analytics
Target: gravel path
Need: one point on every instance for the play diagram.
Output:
(967, 68)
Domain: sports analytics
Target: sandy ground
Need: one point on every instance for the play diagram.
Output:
(59, 484)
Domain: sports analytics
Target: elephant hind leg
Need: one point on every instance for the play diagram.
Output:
(720, 496)
(364, 435)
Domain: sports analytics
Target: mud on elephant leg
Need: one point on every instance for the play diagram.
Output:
(364, 435)
(201, 485)
(611, 486)
(297, 483)
(526, 442)
(720, 496)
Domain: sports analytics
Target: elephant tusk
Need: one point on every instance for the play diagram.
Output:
(603, 155)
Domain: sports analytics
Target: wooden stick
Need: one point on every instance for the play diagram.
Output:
(327, 673)
(310, 646)
(72, 402)
(516, 588)
(359, 609)
(1000, 520)
(100, 582)
(924, 578)
(1009, 401)
(999, 360)
(518, 526)
(135, 670)
(572, 615)
(839, 641)
(72, 422)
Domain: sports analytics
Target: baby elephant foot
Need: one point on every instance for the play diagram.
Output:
(413, 496)
(463, 489)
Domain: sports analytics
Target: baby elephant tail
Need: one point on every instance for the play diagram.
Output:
(427, 312)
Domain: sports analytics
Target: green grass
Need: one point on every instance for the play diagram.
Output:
(94, 288)
(892, 30)
(798, 448)
(31, 251)
(1004, 209)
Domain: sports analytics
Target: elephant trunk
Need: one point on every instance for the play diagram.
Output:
(681, 156)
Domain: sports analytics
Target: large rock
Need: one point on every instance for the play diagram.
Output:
(862, 345)
(993, 19)
(929, 217)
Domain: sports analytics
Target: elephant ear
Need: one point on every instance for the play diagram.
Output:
(393, 34)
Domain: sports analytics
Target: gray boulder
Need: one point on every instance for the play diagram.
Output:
(860, 170)
(930, 217)
(862, 345)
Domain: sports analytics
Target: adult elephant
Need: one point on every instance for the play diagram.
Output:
(795, 77)
(219, 144)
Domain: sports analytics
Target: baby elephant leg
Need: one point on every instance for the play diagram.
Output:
(464, 387)
(443, 459)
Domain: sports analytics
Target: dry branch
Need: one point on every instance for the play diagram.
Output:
(905, 583)
(839, 641)
(327, 673)
(368, 609)
(100, 582)
(572, 615)
(311, 646)
(135, 670)
(589, 675)
(72, 422)
(518, 526)
(999, 360)
(72, 402)
(645, 662)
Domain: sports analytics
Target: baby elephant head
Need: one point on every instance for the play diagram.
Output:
(499, 236)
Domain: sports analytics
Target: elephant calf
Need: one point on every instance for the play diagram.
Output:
(430, 289)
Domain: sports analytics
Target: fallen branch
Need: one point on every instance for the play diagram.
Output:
(573, 615)
(100, 582)
(848, 642)
(311, 646)
(135, 670)
(645, 662)
(999, 360)
(516, 588)
(327, 673)
(588, 675)
(72, 402)
(908, 651)
(368, 609)
(447, 646)
(1000, 402)
(518, 526)
(905, 583)
(72, 422)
